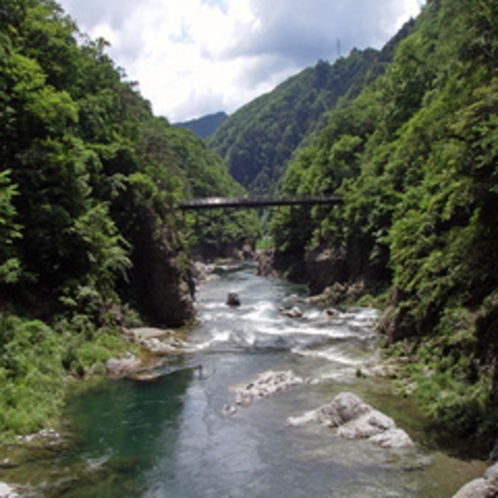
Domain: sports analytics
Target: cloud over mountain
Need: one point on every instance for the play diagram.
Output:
(199, 56)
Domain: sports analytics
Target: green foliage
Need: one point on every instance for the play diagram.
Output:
(34, 360)
(85, 171)
(258, 141)
(9, 231)
(31, 374)
(415, 157)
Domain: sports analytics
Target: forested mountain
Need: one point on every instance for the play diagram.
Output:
(415, 157)
(89, 234)
(205, 126)
(257, 141)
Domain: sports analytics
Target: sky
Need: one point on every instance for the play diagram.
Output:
(196, 57)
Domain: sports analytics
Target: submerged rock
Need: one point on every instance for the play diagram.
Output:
(355, 419)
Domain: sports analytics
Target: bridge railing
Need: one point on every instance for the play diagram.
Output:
(257, 201)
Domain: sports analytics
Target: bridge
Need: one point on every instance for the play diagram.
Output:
(257, 202)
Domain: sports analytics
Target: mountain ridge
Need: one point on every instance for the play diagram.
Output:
(257, 141)
(204, 126)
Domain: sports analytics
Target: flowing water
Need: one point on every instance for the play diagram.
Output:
(173, 438)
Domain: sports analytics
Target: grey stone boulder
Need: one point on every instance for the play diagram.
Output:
(265, 385)
(355, 419)
(478, 488)
(121, 367)
(372, 423)
(483, 487)
(396, 439)
(294, 312)
(343, 408)
(491, 475)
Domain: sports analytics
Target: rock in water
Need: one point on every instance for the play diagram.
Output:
(233, 299)
(483, 487)
(478, 488)
(294, 312)
(267, 384)
(355, 419)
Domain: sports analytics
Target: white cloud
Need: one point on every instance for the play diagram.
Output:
(199, 56)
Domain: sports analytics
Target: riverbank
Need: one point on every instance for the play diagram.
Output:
(147, 351)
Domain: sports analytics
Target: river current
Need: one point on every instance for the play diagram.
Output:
(174, 437)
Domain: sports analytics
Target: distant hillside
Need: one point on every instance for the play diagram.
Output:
(258, 140)
(205, 126)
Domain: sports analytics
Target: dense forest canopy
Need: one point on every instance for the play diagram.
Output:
(90, 237)
(258, 140)
(416, 160)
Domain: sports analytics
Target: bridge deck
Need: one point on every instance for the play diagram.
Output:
(256, 202)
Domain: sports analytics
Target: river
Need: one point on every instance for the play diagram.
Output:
(173, 437)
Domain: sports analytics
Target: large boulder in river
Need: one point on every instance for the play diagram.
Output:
(483, 487)
(343, 408)
(233, 299)
(355, 419)
(478, 488)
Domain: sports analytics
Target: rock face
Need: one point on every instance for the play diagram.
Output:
(355, 419)
(484, 487)
(396, 323)
(324, 267)
(265, 264)
(158, 276)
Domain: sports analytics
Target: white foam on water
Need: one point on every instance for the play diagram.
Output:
(262, 311)
(330, 355)
(217, 338)
(313, 314)
(332, 333)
